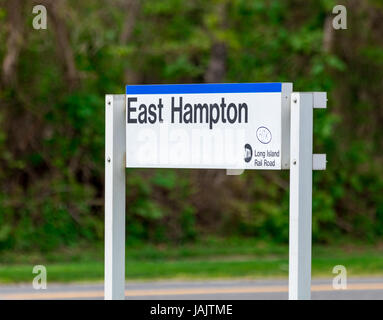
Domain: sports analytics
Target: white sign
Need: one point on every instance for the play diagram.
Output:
(216, 126)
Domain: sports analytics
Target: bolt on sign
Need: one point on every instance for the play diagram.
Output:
(211, 126)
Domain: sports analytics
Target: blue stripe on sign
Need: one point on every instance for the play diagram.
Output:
(203, 88)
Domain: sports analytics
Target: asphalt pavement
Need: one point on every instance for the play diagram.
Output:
(244, 289)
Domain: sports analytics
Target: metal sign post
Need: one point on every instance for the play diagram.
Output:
(115, 127)
(302, 162)
(162, 126)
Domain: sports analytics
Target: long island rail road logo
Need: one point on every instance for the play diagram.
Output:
(208, 125)
(248, 152)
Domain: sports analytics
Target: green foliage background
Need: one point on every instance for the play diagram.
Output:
(52, 128)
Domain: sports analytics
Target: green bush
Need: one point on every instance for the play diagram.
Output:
(52, 127)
